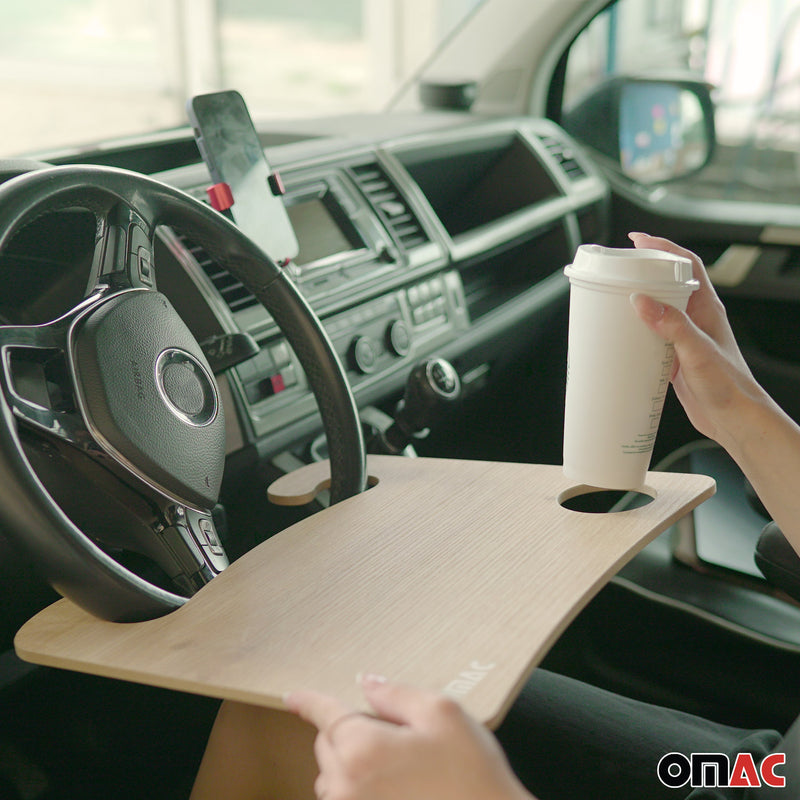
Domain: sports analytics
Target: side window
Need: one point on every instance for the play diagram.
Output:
(747, 50)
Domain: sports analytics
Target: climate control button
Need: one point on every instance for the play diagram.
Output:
(363, 354)
(398, 338)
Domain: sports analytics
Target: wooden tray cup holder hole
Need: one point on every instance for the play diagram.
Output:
(591, 500)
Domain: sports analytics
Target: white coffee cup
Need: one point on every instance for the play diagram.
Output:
(618, 370)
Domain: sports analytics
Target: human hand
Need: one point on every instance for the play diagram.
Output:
(710, 377)
(419, 745)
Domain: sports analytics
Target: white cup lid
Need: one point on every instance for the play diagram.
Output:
(623, 266)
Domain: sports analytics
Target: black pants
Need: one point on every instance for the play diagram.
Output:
(570, 741)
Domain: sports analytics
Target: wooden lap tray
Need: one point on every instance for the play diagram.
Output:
(451, 575)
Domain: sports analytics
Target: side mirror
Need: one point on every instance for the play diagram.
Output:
(652, 130)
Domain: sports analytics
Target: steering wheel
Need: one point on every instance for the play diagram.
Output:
(118, 387)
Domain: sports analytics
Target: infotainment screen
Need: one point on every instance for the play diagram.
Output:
(322, 229)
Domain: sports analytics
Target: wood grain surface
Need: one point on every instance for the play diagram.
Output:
(452, 575)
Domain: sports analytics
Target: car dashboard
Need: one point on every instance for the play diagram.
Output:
(436, 243)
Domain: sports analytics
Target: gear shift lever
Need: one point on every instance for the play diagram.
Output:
(432, 386)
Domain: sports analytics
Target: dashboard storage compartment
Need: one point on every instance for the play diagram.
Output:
(479, 181)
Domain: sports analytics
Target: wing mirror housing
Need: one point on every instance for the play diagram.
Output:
(652, 130)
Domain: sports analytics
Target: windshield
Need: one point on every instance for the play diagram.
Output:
(82, 71)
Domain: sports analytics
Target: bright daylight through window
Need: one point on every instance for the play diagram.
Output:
(81, 71)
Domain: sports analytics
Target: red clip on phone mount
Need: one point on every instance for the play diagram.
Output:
(220, 196)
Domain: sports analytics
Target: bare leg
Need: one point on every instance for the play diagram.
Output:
(257, 753)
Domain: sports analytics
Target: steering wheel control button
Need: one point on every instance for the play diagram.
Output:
(141, 257)
(363, 354)
(205, 534)
(186, 387)
(208, 536)
(398, 338)
(145, 267)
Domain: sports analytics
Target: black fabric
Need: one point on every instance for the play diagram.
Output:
(790, 746)
(567, 740)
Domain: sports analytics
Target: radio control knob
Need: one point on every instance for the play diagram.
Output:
(363, 354)
(398, 338)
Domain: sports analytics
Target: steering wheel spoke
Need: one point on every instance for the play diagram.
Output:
(36, 379)
(62, 424)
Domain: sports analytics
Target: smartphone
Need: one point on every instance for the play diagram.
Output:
(229, 144)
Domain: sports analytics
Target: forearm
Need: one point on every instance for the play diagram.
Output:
(722, 398)
(765, 443)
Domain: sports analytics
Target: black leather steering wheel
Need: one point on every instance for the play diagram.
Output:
(120, 384)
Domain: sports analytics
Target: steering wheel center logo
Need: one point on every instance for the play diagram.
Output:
(186, 387)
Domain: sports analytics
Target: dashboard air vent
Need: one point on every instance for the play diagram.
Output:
(564, 155)
(390, 205)
(233, 292)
